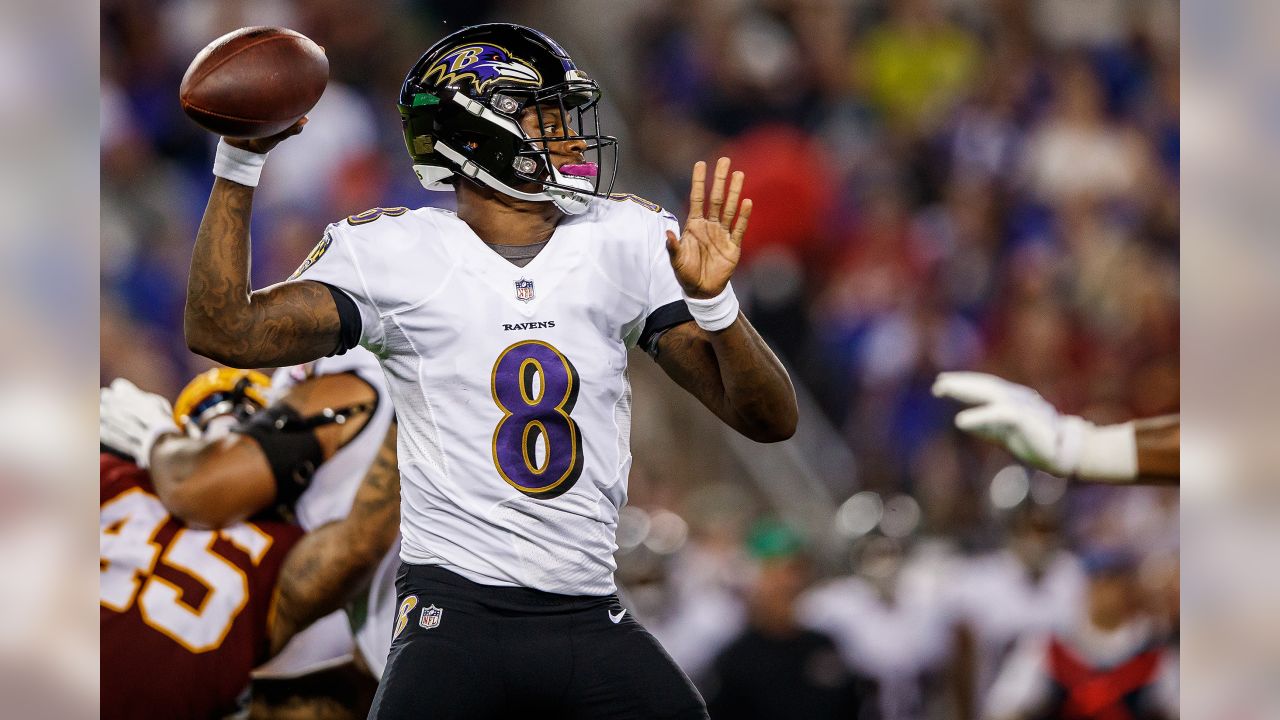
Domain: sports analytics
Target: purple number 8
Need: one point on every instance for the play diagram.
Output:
(532, 411)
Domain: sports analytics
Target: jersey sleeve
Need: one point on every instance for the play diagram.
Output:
(335, 261)
(665, 306)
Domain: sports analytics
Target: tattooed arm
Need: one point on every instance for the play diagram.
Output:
(211, 483)
(1159, 442)
(321, 570)
(225, 319)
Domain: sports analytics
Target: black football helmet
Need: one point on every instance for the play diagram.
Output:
(461, 105)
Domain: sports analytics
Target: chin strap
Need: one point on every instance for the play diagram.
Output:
(434, 177)
(569, 202)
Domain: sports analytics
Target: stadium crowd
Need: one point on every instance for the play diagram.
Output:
(938, 184)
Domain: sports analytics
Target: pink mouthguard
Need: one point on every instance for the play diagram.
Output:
(580, 170)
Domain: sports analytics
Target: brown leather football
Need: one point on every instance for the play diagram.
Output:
(254, 82)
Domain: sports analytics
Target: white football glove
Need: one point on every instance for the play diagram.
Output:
(130, 420)
(1036, 433)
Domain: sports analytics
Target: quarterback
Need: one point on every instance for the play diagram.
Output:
(503, 331)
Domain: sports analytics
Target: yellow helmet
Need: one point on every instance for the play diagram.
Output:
(217, 392)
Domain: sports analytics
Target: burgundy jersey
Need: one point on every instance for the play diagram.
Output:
(183, 611)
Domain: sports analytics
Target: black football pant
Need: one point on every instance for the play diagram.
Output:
(464, 650)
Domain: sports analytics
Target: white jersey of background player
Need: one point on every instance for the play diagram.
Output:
(474, 345)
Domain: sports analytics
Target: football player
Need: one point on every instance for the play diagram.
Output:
(1112, 660)
(1036, 433)
(187, 612)
(503, 330)
(303, 455)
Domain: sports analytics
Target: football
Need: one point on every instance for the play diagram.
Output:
(254, 82)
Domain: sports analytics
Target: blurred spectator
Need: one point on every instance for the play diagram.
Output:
(790, 178)
(1032, 585)
(1078, 150)
(705, 584)
(340, 132)
(1097, 23)
(776, 668)
(1111, 662)
(888, 625)
(916, 65)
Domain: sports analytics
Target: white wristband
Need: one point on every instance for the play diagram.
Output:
(715, 313)
(238, 165)
(1107, 453)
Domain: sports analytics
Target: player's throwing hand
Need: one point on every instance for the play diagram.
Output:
(705, 255)
(262, 146)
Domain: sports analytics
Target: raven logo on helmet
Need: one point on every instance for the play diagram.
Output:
(482, 64)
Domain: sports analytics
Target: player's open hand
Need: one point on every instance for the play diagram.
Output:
(705, 255)
(1014, 416)
(262, 146)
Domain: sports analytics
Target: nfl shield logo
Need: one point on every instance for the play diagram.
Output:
(524, 290)
(430, 617)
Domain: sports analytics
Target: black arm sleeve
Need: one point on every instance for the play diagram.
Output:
(290, 446)
(349, 316)
(661, 320)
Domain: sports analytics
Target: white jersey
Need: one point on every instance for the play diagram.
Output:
(510, 383)
(996, 598)
(328, 642)
(375, 631)
(334, 484)
(896, 644)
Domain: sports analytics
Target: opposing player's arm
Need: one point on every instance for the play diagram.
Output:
(1016, 417)
(721, 359)
(213, 483)
(1159, 442)
(321, 571)
(225, 319)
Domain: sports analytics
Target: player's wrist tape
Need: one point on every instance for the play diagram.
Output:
(1107, 453)
(238, 165)
(715, 313)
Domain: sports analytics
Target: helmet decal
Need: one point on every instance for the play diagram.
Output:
(483, 64)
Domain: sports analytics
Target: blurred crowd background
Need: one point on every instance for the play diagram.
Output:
(938, 184)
